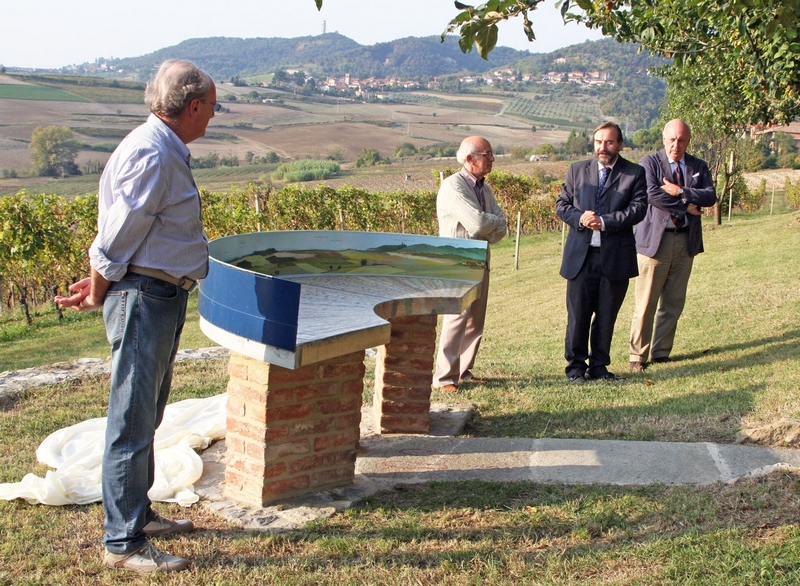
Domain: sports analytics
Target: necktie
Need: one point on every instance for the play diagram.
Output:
(677, 179)
(677, 176)
(603, 178)
(479, 193)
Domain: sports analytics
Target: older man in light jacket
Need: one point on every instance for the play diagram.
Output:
(466, 208)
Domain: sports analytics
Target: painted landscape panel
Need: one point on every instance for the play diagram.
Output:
(422, 260)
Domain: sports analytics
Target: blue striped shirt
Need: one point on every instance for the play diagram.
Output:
(149, 208)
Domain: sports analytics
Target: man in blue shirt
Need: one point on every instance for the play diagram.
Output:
(149, 252)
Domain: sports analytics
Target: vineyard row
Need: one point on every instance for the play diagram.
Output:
(44, 238)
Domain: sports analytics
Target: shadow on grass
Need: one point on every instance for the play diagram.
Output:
(788, 342)
(661, 403)
(461, 527)
(713, 416)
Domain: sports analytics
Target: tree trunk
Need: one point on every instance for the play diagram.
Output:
(59, 313)
(23, 301)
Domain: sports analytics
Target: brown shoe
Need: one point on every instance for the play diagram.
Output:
(146, 560)
(162, 526)
(448, 388)
(637, 366)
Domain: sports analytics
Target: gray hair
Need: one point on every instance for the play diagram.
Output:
(467, 148)
(176, 83)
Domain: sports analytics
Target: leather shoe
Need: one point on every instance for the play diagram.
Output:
(577, 379)
(608, 376)
(638, 366)
(449, 388)
(477, 381)
(662, 359)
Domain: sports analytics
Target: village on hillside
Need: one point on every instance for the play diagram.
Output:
(377, 88)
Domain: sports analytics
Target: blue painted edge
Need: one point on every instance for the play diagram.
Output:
(254, 306)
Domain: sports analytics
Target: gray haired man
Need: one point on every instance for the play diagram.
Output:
(466, 208)
(149, 251)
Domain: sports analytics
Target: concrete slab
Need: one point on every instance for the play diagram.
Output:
(385, 462)
(737, 461)
(573, 461)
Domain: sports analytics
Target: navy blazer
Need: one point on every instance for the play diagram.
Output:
(623, 203)
(698, 189)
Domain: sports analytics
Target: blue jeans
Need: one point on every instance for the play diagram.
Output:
(144, 319)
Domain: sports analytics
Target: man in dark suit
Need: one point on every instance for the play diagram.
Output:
(667, 240)
(601, 200)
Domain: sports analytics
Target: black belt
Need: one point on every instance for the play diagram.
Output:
(184, 283)
(680, 230)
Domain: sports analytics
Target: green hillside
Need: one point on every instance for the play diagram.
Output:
(331, 54)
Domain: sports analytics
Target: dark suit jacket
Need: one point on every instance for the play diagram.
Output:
(623, 203)
(699, 190)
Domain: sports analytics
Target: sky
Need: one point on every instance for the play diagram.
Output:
(54, 33)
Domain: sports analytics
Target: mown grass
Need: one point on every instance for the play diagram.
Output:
(85, 89)
(36, 92)
(737, 349)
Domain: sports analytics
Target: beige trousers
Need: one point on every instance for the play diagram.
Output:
(660, 295)
(460, 339)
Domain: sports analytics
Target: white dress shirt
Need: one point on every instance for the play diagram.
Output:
(149, 208)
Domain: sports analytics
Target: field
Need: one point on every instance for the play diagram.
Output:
(294, 128)
(35, 92)
(297, 127)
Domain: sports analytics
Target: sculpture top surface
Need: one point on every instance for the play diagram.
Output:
(299, 297)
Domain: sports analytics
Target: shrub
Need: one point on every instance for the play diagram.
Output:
(792, 194)
(306, 170)
(370, 157)
(230, 161)
(210, 161)
(520, 154)
(751, 201)
(405, 150)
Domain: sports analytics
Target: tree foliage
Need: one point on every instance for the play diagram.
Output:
(748, 49)
(405, 150)
(369, 157)
(578, 143)
(53, 151)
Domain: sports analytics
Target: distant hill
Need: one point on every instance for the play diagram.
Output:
(602, 76)
(329, 54)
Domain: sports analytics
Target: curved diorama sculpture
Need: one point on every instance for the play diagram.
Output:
(293, 298)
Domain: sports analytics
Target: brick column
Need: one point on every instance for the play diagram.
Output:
(291, 432)
(403, 376)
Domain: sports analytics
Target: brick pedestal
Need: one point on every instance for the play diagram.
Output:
(403, 376)
(291, 432)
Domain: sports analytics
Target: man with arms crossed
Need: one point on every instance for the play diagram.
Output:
(667, 240)
(601, 200)
(149, 252)
(466, 208)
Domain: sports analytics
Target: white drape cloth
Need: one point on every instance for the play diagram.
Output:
(76, 455)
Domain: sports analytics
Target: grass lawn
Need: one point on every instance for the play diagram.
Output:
(736, 366)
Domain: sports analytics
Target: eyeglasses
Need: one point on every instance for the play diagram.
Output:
(216, 105)
(488, 155)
